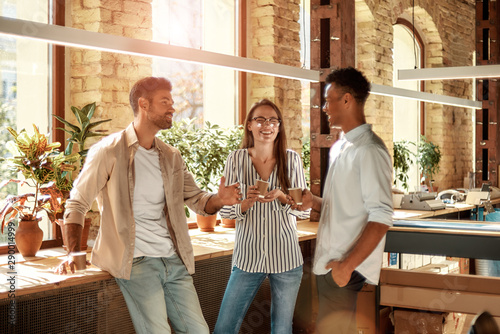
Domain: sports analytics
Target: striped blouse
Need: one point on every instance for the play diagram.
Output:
(266, 234)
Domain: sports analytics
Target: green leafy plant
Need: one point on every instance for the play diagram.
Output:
(428, 158)
(43, 168)
(204, 150)
(79, 133)
(402, 162)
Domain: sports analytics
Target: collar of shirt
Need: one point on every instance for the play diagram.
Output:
(132, 139)
(355, 133)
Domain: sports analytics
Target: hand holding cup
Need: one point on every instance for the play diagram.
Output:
(80, 260)
(296, 194)
(262, 187)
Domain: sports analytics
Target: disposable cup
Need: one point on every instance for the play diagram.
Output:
(262, 187)
(80, 260)
(296, 194)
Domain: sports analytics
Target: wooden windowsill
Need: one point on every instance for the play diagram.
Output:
(36, 274)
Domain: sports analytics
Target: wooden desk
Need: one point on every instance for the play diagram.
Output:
(405, 214)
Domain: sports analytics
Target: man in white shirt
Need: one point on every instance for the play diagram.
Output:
(356, 208)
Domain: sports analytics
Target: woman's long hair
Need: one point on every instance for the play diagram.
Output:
(279, 143)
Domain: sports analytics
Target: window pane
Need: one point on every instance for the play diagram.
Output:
(206, 93)
(406, 111)
(25, 81)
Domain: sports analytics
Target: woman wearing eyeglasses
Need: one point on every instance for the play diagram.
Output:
(266, 243)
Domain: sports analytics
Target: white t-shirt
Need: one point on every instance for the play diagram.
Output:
(151, 232)
(357, 190)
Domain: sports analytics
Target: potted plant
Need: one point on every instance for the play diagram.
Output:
(402, 162)
(428, 158)
(78, 134)
(42, 167)
(205, 151)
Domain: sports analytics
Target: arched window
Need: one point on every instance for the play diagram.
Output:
(408, 114)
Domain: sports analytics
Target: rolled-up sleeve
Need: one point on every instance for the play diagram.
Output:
(231, 175)
(376, 178)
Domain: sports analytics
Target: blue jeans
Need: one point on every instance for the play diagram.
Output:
(337, 306)
(158, 287)
(241, 290)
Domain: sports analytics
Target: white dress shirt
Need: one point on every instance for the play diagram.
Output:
(357, 191)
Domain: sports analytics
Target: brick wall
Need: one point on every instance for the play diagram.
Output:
(274, 37)
(102, 76)
(447, 28)
(106, 78)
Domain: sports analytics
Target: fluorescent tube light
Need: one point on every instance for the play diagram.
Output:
(426, 97)
(67, 36)
(448, 73)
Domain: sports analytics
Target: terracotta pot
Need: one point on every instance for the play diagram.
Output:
(85, 233)
(228, 223)
(29, 237)
(206, 223)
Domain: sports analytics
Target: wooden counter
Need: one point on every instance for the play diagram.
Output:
(36, 274)
(96, 293)
(456, 208)
(404, 214)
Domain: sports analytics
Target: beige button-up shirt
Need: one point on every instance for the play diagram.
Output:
(109, 176)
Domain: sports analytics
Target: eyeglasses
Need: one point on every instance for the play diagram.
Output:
(273, 121)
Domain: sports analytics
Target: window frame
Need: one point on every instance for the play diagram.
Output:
(420, 42)
(57, 106)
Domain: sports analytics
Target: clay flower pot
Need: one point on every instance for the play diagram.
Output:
(206, 223)
(29, 237)
(228, 223)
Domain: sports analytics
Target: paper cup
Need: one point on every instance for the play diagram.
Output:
(262, 187)
(296, 194)
(80, 260)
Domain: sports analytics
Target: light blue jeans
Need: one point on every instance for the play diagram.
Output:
(159, 287)
(241, 290)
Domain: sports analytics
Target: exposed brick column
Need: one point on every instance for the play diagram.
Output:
(105, 77)
(274, 35)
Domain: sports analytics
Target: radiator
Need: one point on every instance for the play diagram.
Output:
(99, 307)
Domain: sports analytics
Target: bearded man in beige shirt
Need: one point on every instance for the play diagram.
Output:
(143, 239)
